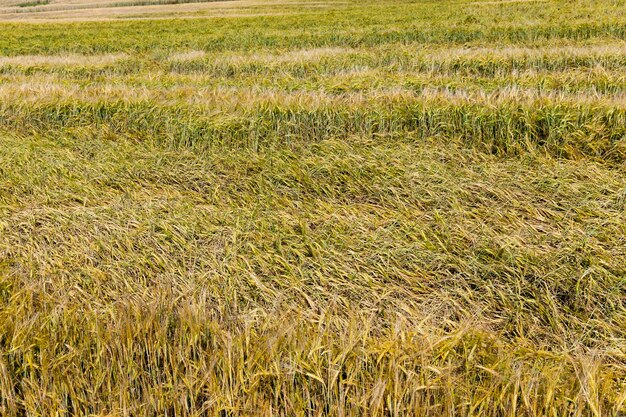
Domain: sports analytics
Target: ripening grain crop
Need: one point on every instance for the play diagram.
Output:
(313, 208)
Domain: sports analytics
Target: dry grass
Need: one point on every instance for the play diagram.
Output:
(60, 60)
(81, 10)
(359, 210)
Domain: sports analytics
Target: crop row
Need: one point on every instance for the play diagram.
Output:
(566, 130)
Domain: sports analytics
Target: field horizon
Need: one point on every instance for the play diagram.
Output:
(313, 208)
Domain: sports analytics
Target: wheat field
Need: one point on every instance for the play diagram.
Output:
(313, 208)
